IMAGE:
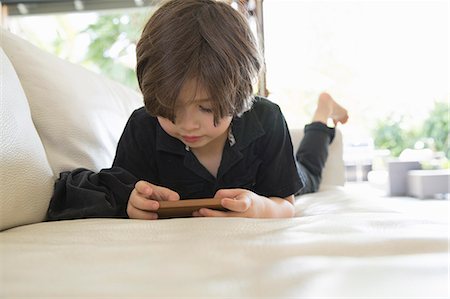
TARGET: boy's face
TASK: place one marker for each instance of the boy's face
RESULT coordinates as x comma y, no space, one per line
194,119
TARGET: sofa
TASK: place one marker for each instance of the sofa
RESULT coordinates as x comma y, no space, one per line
56,116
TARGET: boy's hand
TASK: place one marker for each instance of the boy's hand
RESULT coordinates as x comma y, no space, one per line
144,200
241,203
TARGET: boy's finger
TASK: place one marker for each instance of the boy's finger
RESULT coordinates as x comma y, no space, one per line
144,188
162,193
196,214
239,204
145,204
213,213
140,202
228,193
139,214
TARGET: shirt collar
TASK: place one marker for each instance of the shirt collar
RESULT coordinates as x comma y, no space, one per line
165,142
245,129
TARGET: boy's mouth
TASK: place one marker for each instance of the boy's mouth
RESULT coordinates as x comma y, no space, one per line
191,139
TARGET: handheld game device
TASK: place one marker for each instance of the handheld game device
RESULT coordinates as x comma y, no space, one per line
185,207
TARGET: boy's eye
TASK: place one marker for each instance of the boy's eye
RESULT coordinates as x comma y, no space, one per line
205,109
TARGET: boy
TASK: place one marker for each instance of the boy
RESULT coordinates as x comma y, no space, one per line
202,133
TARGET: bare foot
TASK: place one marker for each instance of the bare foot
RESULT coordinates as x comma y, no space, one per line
327,107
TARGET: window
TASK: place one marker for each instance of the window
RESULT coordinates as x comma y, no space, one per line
379,58
386,61
103,40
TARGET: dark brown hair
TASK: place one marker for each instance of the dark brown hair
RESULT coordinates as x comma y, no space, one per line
204,40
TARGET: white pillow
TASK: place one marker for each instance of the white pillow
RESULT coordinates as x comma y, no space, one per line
26,180
78,114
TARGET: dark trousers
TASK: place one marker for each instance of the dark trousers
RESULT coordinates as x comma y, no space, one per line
312,155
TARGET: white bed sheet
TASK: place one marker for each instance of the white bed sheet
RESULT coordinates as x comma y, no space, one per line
340,246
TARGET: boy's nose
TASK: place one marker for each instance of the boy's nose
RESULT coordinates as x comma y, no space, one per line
187,122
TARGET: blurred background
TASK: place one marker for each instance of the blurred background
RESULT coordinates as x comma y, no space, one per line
387,62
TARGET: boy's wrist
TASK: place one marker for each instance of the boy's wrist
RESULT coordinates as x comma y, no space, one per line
277,207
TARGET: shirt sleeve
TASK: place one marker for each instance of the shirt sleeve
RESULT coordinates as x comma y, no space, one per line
82,193
135,150
278,175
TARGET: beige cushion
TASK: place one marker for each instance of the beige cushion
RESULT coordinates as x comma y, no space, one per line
78,114
344,246
333,173
26,180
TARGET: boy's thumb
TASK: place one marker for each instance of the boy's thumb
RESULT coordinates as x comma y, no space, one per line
230,193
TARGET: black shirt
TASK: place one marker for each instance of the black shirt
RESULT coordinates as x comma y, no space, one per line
261,160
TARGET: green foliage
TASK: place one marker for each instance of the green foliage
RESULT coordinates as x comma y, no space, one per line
437,127
389,133
112,40
118,32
